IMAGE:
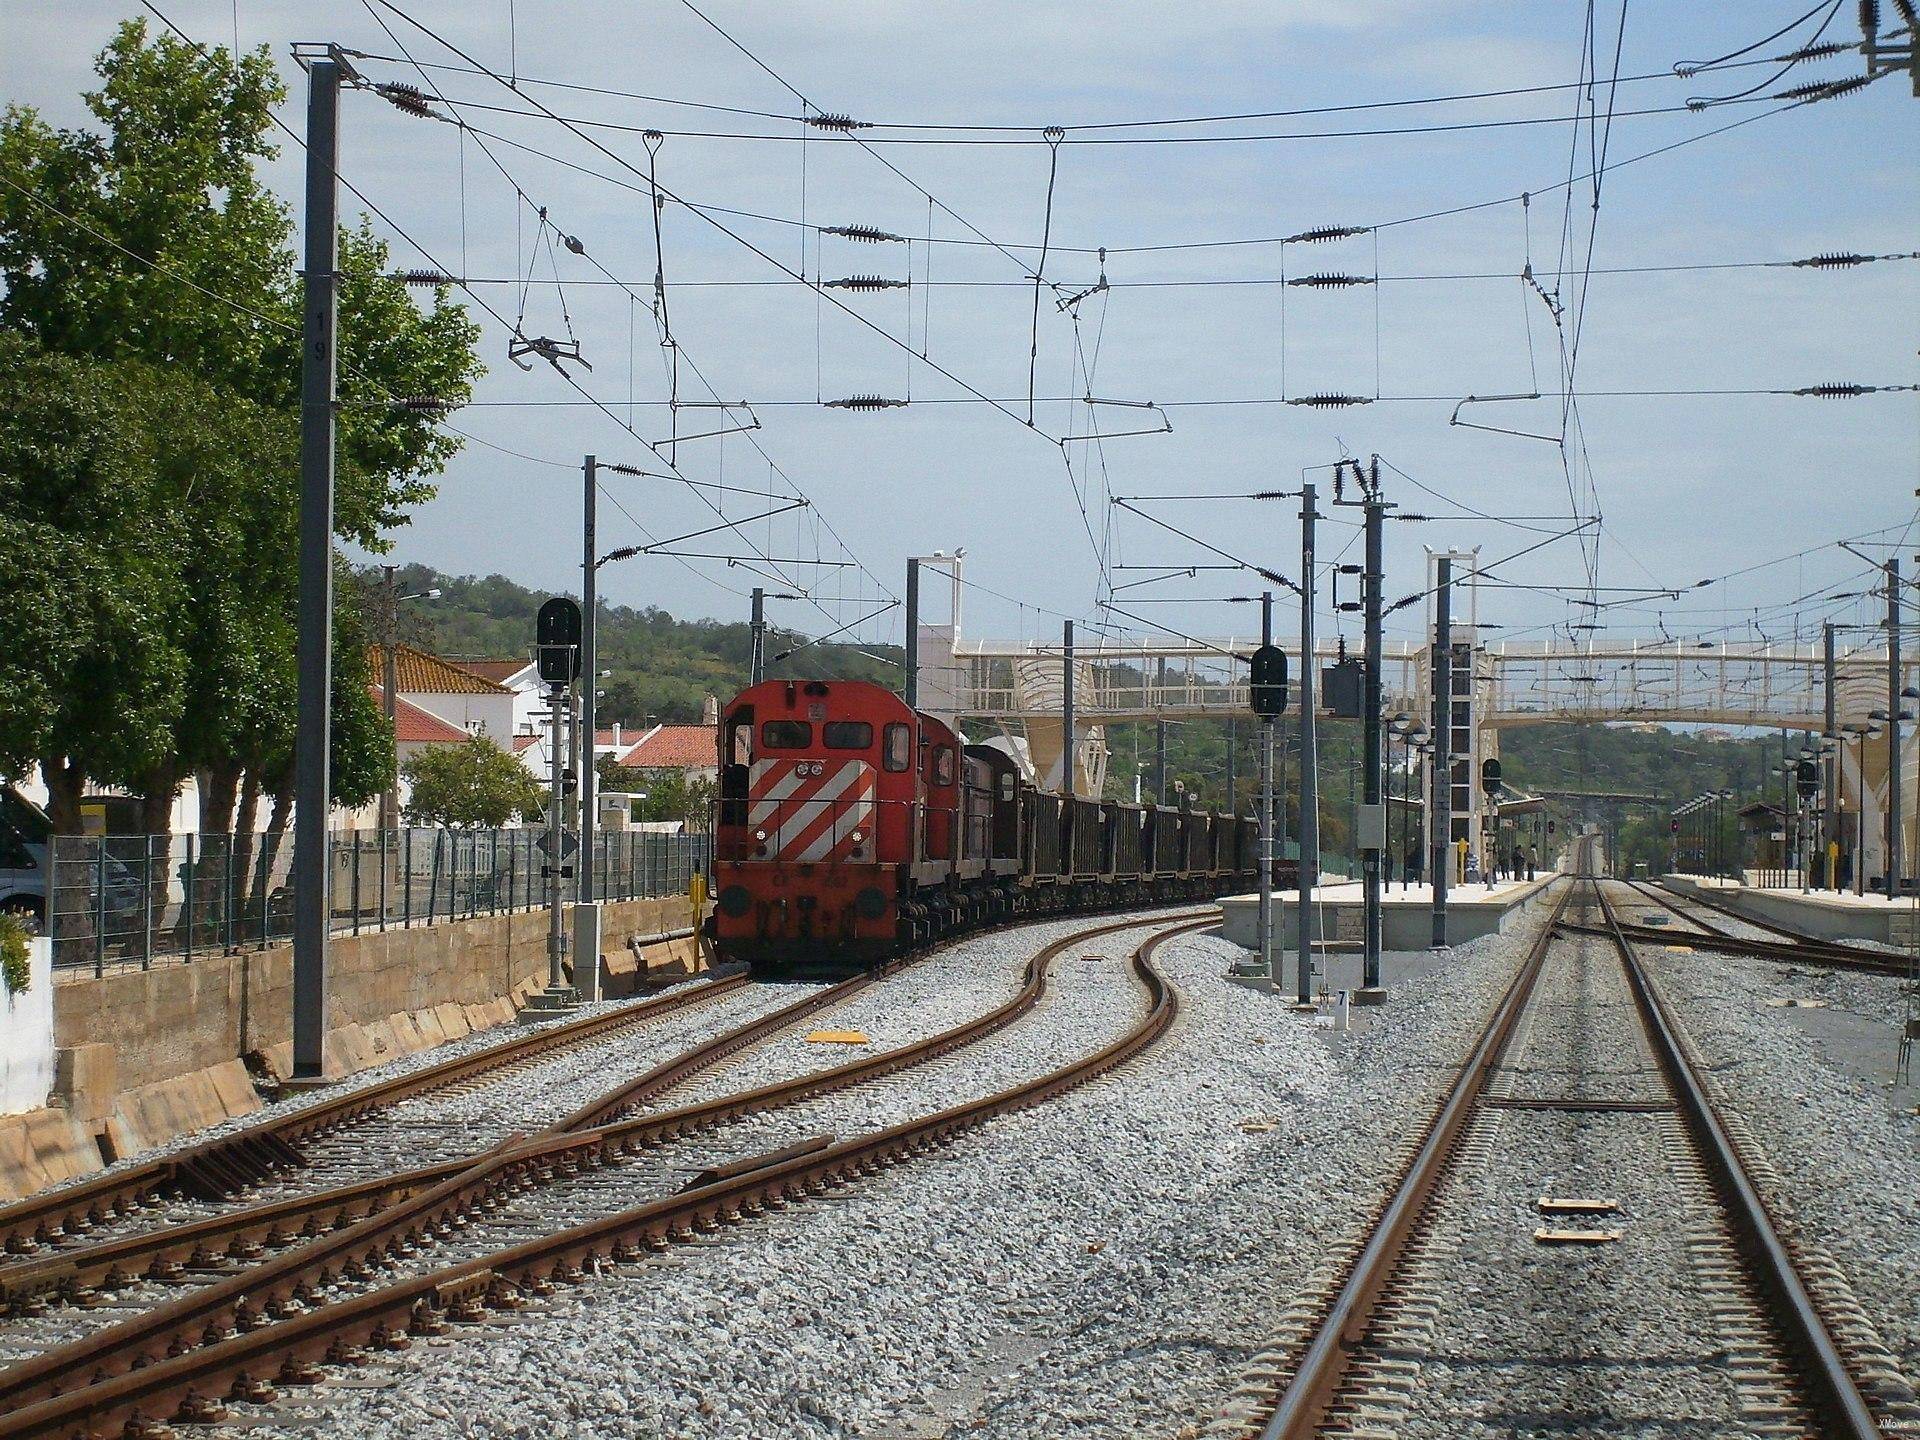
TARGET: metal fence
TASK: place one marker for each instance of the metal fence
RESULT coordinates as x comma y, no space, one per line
124,900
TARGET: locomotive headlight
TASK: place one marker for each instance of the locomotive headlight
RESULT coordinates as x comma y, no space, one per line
759,834
857,836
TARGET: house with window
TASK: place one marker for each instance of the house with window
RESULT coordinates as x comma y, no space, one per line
450,692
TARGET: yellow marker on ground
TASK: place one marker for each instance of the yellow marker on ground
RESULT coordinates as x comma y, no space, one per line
838,1037
1570,1205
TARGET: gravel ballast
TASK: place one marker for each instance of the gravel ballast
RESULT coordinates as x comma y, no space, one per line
1103,1264
1848,1162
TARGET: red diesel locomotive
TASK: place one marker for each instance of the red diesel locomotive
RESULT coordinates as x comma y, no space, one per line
851,828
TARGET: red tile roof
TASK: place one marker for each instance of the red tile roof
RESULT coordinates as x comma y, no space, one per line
412,725
418,673
673,747
498,671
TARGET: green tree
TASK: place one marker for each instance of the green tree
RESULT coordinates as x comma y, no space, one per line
91,676
156,242
672,795
463,786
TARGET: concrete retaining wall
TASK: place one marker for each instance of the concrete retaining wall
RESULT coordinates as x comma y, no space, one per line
1403,925
26,1035
179,1018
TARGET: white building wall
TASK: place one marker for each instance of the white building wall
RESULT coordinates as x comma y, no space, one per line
26,1035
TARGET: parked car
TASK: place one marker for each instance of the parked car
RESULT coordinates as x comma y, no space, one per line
26,836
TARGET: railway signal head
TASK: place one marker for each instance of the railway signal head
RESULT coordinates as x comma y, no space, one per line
1490,776
1269,687
556,633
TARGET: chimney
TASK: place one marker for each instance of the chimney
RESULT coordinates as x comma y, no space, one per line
616,737
710,711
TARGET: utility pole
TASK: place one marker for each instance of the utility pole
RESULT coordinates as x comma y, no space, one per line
913,634
1268,850
1067,745
1894,836
1233,788
1160,733
1440,805
1829,763
313,788
757,650
590,668
1373,829
1309,756
389,682
558,706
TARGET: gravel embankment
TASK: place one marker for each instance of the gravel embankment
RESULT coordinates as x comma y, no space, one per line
1102,1265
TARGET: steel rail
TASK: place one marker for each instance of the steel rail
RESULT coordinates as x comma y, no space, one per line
1823,1371
162,1252
1317,1377
246,1360
1822,1374
229,1164
1792,944
285,1283
247,1233
1724,944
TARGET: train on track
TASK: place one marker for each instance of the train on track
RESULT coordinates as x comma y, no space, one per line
852,828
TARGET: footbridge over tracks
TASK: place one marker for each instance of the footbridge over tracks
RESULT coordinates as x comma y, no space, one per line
1018,688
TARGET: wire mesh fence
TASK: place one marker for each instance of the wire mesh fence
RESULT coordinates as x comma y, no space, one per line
124,900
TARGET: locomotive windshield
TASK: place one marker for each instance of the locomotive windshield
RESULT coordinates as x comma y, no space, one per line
786,735
847,735
899,748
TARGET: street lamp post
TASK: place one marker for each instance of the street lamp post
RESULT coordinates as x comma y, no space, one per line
389,685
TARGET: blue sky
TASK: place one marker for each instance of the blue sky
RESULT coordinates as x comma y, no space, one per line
1688,487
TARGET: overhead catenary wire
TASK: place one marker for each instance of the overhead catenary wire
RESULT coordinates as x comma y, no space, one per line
672,352
1234,281
1124,141
480,300
722,228
1548,88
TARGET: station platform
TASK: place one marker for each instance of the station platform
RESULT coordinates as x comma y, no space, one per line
1406,920
1823,914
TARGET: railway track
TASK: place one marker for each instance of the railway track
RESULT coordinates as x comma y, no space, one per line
228,1165
1587,1075
136,1270
324,1300
1790,946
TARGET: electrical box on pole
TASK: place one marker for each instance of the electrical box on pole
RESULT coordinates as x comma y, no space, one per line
1343,689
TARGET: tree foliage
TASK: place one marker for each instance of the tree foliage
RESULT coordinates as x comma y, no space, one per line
150,307
91,667
470,785
663,667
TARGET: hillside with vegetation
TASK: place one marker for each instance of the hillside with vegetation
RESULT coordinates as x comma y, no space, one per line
663,667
